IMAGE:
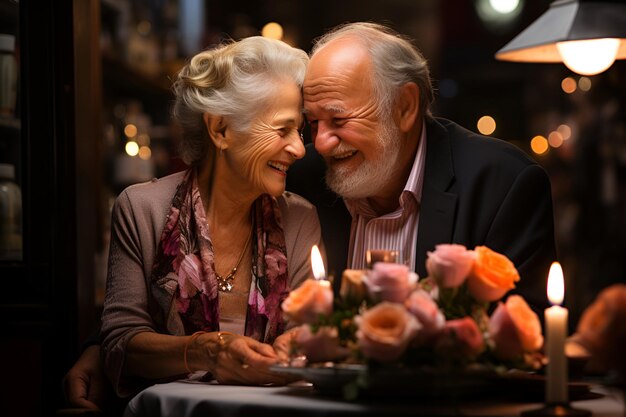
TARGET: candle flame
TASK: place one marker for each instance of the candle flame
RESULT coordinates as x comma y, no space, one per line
317,264
556,286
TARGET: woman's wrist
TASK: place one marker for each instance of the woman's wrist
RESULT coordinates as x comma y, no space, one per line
203,350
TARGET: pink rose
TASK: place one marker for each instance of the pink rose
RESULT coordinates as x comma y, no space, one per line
449,265
514,329
461,336
322,345
306,303
385,330
390,282
492,275
427,312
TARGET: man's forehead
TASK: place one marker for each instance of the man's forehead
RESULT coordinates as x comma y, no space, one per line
330,108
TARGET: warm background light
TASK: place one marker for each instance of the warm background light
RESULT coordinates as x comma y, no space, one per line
272,30
556,286
317,264
565,131
539,145
130,130
584,83
568,85
486,125
555,139
588,57
145,153
132,148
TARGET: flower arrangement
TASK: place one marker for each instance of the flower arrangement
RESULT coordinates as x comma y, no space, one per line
453,319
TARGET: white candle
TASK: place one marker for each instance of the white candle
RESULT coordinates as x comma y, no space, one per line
556,332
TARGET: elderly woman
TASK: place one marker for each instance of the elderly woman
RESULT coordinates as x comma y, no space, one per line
201,260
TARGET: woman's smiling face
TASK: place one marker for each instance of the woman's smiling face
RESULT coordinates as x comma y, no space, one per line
259,158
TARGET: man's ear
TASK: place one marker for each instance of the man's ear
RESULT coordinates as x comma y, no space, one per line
407,106
216,126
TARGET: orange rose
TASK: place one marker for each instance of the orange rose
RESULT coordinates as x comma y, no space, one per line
515,329
385,331
492,276
602,329
309,301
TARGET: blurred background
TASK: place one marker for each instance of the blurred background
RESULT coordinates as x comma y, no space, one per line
86,114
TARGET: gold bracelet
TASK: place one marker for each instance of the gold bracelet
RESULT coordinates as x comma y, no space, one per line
221,341
189,341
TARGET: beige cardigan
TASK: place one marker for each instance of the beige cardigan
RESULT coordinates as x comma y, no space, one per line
138,219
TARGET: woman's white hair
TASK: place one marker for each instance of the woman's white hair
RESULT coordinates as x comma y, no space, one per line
395,59
233,80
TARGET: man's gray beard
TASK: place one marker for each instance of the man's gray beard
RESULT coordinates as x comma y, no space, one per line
371,176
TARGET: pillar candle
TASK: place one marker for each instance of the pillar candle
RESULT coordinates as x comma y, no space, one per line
556,333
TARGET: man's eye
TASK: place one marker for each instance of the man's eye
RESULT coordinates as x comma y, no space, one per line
339,121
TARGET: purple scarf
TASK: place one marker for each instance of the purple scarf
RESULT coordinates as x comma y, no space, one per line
185,258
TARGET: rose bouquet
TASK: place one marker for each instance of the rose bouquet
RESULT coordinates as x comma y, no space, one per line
456,318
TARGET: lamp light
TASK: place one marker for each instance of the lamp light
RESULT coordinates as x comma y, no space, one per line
587,36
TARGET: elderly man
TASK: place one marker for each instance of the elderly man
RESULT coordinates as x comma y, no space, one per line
408,181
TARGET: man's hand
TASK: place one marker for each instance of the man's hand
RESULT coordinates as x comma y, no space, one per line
85,383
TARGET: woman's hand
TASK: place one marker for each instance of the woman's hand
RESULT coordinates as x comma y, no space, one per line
283,345
243,360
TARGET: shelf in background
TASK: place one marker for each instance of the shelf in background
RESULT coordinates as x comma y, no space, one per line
127,80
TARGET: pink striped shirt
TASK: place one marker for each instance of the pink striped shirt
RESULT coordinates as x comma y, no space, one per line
394,231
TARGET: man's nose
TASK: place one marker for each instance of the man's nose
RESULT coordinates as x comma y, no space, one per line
325,139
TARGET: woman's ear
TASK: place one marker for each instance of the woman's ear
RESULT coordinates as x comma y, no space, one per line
407,106
216,126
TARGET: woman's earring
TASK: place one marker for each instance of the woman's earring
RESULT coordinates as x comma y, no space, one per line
302,136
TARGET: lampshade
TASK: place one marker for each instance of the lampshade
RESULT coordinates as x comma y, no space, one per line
555,36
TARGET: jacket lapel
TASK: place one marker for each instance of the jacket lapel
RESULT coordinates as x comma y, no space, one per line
438,204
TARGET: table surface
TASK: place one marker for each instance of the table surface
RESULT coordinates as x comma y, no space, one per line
190,399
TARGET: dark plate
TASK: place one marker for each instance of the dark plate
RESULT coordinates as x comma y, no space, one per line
479,383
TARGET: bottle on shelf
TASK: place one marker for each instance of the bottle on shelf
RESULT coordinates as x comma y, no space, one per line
8,75
10,215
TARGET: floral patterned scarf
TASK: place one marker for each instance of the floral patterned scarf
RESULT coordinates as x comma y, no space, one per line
184,271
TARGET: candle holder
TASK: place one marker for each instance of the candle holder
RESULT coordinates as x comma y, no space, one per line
560,410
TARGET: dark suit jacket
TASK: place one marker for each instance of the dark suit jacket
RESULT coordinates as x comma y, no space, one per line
477,191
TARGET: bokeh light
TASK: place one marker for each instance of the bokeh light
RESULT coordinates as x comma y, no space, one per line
584,83
555,139
272,30
486,125
130,130
568,85
539,145
145,152
565,131
132,148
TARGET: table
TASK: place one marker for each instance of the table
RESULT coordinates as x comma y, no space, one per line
187,399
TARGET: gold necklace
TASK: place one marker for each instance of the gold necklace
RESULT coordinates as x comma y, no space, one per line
226,284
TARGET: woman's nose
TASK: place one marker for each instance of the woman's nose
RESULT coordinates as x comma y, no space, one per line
296,147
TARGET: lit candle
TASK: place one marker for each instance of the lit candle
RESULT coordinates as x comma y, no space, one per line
556,332
317,264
